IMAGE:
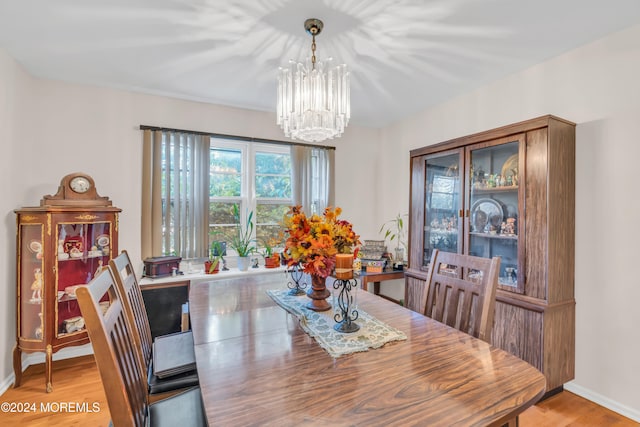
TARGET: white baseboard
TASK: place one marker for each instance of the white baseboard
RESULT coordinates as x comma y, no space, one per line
6,383
601,400
29,359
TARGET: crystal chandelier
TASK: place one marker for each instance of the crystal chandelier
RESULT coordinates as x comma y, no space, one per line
313,98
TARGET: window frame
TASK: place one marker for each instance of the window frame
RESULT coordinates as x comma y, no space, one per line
248,201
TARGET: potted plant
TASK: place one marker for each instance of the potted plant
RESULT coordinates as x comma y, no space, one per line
212,265
394,230
242,241
271,258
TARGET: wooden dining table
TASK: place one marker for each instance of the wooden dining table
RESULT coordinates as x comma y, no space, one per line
257,366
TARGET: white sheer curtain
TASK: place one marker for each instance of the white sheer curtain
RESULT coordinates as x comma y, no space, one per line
175,194
313,182
302,171
326,181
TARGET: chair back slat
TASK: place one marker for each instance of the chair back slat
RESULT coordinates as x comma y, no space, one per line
133,303
123,376
460,292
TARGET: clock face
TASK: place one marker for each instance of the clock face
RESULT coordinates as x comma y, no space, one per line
80,184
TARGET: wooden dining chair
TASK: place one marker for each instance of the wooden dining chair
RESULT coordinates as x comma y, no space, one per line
460,291
123,376
168,369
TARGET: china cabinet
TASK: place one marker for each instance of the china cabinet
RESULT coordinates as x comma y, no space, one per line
61,245
507,192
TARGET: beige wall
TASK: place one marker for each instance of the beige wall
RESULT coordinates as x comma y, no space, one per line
597,87
50,129
15,98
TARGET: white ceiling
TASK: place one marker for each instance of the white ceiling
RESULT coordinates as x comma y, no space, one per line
404,55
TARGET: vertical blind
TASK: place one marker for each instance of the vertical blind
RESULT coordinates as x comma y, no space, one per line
176,174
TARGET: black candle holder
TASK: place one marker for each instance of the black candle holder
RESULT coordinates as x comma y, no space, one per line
296,285
345,315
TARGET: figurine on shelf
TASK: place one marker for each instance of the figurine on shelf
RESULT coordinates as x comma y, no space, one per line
508,227
36,286
38,330
99,269
479,177
509,274
73,324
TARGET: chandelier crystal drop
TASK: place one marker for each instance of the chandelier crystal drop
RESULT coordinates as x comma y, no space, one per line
314,97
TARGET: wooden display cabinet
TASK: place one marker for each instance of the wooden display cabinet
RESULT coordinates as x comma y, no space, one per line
507,192
61,244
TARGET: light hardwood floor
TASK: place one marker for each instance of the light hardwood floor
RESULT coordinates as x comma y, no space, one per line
77,382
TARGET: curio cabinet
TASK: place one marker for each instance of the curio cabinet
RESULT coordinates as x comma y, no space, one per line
61,245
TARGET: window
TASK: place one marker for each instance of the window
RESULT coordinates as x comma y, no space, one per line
272,183
256,177
227,186
192,181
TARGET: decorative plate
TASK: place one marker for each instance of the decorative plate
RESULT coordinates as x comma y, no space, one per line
35,246
103,240
510,166
486,211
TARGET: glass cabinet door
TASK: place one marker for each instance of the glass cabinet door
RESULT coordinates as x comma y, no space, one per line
494,206
31,282
443,201
83,250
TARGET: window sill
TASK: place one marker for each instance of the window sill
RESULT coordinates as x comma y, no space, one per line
200,276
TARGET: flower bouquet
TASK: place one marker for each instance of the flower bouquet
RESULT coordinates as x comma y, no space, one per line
313,243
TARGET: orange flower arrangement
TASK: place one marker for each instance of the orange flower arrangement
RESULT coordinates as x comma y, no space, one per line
313,242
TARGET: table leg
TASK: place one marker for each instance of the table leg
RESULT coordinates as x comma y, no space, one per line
376,288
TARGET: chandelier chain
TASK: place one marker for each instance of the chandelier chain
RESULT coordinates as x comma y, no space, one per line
313,52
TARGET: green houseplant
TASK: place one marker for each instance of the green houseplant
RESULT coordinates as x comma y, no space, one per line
394,230
242,241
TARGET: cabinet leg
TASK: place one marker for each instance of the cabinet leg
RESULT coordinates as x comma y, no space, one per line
17,366
48,368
